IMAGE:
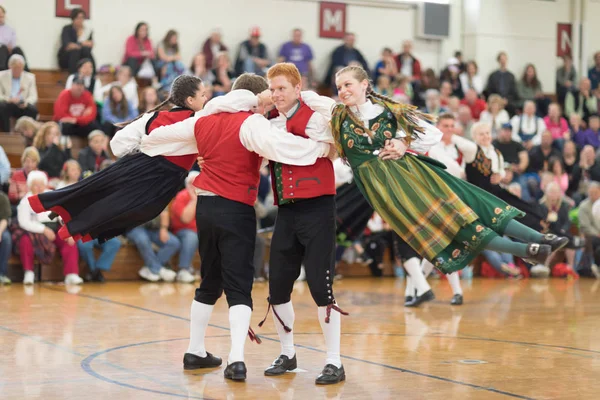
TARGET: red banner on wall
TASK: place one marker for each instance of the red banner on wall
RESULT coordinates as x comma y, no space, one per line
564,40
332,20
64,7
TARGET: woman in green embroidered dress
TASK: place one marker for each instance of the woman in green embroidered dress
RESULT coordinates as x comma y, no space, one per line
445,219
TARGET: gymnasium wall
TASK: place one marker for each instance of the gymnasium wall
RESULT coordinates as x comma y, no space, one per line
526,29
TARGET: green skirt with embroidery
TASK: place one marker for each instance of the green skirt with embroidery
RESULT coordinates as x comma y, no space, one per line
445,219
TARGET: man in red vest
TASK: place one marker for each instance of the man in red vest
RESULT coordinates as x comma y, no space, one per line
305,227
232,146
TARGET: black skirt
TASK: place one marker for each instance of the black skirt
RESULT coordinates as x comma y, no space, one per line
353,212
130,192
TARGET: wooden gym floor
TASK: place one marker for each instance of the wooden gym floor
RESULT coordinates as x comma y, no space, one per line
531,339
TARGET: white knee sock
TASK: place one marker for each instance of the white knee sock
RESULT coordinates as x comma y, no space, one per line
332,333
454,280
417,277
427,267
410,288
239,322
286,313
199,317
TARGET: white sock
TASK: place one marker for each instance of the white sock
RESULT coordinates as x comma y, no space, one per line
410,288
239,322
199,317
332,333
427,267
286,313
454,280
418,279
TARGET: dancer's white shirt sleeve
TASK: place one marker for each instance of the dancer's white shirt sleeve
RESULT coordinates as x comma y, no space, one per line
128,139
320,104
317,128
257,134
466,147
424,142
455,169
179,139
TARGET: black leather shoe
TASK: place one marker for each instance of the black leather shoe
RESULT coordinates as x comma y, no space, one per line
236,371
192,361
331,375
556,242
97,276
281,365
427,296
457,300
538,253
408,299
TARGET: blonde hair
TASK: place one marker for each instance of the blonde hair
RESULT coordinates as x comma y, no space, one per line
477,126
495,99
64,173
30,152
39,141
25,123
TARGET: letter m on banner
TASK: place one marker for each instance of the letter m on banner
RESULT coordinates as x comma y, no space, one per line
332,20
64,7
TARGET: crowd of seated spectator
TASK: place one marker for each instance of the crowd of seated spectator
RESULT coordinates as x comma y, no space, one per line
548,145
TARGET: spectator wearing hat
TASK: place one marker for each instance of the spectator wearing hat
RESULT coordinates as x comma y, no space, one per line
516,158
91,157
75,110
18,93
252,55
8,42
76,42
451,75
527,128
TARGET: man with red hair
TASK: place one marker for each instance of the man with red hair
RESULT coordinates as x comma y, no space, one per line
305,227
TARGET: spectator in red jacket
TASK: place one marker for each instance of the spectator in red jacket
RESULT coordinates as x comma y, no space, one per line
213,46
75,110
408,65
475,104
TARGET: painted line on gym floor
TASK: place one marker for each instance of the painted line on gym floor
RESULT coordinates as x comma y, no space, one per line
118,367
309,348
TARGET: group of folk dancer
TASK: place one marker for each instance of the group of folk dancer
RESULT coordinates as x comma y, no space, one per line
437,217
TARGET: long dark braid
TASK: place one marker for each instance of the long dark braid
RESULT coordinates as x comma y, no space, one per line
184,86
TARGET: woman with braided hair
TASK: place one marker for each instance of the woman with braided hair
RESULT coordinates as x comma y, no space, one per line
135,189
446,220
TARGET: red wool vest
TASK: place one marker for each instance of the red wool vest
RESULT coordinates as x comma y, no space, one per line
303,182
170,117
229,170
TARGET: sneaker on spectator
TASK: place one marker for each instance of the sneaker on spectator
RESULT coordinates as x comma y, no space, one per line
540,271
167,275
148,275
29,278
184,276
4,280
73,279
510,269
596,271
